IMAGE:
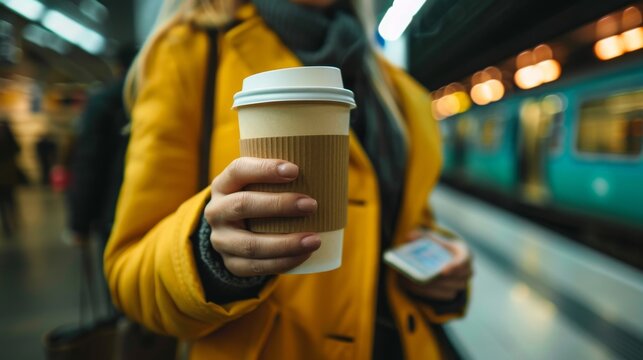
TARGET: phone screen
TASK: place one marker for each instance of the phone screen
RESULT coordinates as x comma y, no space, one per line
428,255
420,260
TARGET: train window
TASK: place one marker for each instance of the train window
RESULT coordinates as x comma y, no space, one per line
555,135
552,107
466,127
490,132
612,125
446,132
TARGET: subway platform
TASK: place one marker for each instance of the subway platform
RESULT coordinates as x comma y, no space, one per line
537,294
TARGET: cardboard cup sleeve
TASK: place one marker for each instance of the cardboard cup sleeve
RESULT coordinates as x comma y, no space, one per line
323,175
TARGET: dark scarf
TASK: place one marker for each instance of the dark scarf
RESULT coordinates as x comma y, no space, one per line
334,37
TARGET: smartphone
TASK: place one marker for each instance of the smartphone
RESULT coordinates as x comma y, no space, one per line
419,260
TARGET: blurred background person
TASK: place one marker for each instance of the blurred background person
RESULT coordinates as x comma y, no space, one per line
46,150
9,177
97,162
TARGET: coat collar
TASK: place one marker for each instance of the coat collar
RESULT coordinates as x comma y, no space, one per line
258,47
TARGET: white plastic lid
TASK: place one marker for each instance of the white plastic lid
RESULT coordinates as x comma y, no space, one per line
306,83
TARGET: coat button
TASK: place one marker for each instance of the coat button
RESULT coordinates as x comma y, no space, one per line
410,323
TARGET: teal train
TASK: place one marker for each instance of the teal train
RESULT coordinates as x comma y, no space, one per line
575,145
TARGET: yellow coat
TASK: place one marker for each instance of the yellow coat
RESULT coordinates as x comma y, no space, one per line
149,262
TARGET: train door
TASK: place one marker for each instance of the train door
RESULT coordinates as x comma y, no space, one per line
452,146
540,127
461,133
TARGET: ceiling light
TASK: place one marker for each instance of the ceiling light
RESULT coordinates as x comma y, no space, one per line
609,48
633,39
74,32
528,77
550,70
31,9
45,39
398,17
93,10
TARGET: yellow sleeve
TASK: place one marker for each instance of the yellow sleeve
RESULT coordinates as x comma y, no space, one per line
149,262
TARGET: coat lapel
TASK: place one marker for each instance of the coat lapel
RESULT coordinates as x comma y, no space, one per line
425,161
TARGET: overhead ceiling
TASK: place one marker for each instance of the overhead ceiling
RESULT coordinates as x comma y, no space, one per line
452,39
118,24
448,39
73,65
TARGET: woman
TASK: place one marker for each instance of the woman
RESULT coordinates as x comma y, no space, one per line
184,264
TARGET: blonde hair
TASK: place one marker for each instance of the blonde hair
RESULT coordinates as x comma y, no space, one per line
205,13
213,13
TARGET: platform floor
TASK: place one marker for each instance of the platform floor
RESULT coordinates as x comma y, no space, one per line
538,295
535,295
39,276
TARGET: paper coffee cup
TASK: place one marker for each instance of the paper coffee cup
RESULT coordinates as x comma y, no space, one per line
302,115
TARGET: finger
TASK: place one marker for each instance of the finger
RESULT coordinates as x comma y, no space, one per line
440,294
449,284
415,234
253,267
461,256
248,170
437,293
246,244
464,271
456,249
254,204
457,267
449,245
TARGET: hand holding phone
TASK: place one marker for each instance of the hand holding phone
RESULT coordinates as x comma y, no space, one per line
447,279
420,260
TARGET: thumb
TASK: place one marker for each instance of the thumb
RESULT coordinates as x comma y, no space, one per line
456,249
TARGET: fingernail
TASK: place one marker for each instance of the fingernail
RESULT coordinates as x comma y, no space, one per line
288,170
311,242
306,204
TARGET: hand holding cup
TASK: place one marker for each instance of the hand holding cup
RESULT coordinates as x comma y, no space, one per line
301,115
246,253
